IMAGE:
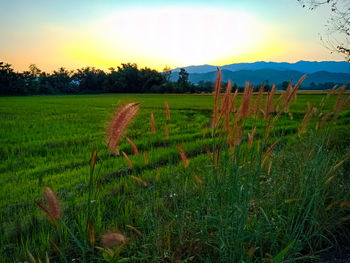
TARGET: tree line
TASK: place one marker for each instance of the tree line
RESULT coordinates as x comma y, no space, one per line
127,78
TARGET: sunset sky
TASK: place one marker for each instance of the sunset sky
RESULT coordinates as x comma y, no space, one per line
158,33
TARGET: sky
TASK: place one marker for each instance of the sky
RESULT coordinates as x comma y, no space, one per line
158,33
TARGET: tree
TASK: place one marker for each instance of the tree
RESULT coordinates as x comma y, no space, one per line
285,85
167,73
90,79
338,25
34,70
267,87
10,82
182,81
61,82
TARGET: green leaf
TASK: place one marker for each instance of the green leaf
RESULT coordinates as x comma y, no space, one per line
283,252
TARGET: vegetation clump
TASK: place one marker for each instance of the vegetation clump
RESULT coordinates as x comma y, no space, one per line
265,181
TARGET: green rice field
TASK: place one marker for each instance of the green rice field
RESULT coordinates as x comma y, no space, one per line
284,199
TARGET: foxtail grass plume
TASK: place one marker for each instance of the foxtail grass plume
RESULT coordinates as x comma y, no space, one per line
291,92
128,160
345,204
268,129
133,146
31,257
166,129
167,110
139,180
209,153
227,105
258,101
198,180
331,91
238,133
51,208
183,156
53,205
331,205
153,124
276,105
340,103
245,105
138,232
55,247
306,119
268,105
268,152
217,90
292,200
113,239
335,167
251,251
226,98
329,179
119,123
251,137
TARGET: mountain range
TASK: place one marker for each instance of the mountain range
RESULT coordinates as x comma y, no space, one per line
273,72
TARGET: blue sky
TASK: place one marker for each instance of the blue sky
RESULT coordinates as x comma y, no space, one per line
105,33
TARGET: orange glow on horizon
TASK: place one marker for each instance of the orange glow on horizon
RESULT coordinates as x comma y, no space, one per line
159,37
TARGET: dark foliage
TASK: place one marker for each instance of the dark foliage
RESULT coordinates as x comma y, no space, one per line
127,78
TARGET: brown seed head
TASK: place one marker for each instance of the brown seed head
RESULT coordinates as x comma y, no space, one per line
245,106
167,111
269,106
345,204
138,232
153,124
133,146
198,180
227,105
217,90
166,129
268,151
251,137
238,133
128,160
52,203
139,180
341,102
113,239
209,153
183,156
258,101
292,92
119,123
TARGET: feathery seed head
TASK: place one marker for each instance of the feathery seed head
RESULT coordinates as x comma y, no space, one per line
119,123
113,239
52,203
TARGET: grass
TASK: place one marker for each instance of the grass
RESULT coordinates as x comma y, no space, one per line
235,209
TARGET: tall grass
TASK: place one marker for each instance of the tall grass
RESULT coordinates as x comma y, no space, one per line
246,190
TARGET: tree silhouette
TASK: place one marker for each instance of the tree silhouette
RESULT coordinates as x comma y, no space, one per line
338,25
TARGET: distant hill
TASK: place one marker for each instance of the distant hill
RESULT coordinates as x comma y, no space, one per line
271,75
302,66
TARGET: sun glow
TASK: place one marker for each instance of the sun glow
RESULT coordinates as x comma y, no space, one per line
171,36
157,33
